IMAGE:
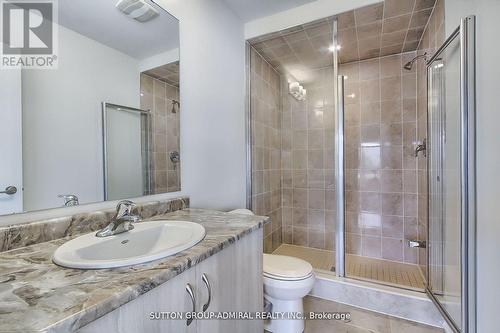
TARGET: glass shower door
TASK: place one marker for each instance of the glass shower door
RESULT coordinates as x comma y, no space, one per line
451,206
444,178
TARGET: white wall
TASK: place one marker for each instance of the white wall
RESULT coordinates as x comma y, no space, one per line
159,60
488,158
488,178
302,14
62,135
212,76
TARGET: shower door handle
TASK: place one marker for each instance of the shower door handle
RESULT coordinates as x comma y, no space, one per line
417,243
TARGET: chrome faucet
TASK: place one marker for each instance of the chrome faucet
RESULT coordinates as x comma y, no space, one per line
69,199
122,221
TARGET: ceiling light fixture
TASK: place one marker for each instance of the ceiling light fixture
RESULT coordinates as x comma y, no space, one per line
139,10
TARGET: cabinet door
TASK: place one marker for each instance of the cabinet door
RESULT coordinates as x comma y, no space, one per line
218,271
134,316
235,278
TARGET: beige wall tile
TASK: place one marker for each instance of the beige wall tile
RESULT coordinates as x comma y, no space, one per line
369,14
300,236
371,246
390,66
392,249
398,7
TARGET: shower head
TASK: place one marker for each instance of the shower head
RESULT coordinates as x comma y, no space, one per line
409,65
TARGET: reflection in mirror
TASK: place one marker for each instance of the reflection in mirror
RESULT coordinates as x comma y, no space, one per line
160,93
126,140
58,147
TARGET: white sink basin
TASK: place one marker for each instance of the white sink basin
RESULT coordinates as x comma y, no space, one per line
148,241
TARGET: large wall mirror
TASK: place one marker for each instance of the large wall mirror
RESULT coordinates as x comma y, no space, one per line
104,123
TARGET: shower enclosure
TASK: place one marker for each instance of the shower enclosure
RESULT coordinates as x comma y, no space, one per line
368,174
336,171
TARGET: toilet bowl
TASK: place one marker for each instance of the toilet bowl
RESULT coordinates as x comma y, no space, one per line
286,281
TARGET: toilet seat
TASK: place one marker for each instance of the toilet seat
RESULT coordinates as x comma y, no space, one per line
280,278
286,268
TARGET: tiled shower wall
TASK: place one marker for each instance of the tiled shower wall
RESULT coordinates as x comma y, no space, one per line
308,164
432,39
265,110
380,172
157,96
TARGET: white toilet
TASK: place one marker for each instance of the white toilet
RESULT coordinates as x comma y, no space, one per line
286,281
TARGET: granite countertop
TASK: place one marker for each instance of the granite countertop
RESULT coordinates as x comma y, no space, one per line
38,296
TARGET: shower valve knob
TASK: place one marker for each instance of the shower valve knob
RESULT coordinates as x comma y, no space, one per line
175,157
421,148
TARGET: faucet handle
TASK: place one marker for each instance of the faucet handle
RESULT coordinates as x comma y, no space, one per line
69,199
124,207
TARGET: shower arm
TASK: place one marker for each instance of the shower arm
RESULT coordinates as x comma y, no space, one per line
410,63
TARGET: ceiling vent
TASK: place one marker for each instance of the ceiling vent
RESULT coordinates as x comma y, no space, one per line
137,9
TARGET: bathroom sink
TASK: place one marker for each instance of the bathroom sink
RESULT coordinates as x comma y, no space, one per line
148,241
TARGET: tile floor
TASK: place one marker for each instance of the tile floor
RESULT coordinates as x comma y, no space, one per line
361,321
378,270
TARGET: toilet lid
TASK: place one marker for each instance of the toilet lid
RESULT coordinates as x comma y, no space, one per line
286,267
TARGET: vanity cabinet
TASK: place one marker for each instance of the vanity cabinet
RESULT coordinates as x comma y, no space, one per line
234,278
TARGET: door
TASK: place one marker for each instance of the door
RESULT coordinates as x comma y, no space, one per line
444,179
215,286
11,163
451,172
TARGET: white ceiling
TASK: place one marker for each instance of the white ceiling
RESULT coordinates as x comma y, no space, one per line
101,21
249,10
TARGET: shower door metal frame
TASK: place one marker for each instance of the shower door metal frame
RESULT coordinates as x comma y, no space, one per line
340,180
339,159
466,33
248,127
